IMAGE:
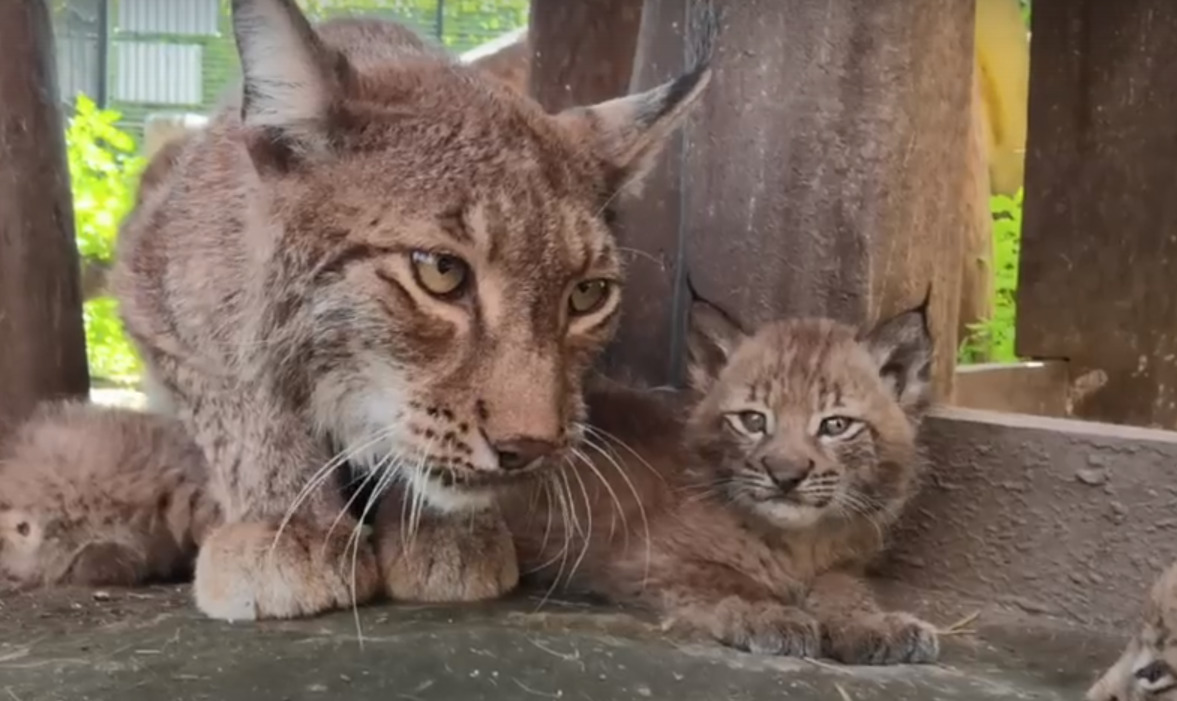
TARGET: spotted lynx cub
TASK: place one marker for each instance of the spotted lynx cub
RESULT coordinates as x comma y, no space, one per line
93,495
382,254
751,519
1147,669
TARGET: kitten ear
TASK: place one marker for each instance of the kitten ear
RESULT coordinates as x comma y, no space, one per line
712,336
291,79
902,349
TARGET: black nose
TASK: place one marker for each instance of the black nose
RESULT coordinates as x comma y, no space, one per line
518,453
786,474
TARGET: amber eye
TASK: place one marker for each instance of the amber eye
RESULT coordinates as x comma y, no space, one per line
588,296
834,426
753,421
441,274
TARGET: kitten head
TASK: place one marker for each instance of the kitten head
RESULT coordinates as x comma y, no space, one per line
1147,669
808,420
446,240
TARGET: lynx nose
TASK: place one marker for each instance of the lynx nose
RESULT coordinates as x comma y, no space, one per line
517,453
786,474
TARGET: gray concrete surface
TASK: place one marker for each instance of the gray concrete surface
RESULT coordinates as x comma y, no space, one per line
134,646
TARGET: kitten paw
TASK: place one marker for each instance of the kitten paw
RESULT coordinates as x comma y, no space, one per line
243,573
448,558
882,639
764,628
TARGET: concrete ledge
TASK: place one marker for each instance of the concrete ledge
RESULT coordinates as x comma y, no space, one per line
1030,387
1054,516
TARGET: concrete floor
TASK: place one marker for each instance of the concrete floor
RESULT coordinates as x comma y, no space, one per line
152,644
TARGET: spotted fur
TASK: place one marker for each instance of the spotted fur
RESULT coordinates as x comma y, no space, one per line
276,285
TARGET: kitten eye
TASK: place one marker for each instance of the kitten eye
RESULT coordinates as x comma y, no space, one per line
1152,672
22,528
588,296
441,274
753,421
834,426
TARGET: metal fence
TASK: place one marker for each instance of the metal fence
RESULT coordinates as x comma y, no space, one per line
144,56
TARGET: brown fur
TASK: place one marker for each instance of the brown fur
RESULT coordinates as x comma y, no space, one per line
100,496
1147,669
276,288
681,514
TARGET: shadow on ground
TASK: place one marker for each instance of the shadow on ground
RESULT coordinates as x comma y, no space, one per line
152,644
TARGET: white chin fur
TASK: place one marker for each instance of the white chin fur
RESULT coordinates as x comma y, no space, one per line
789,516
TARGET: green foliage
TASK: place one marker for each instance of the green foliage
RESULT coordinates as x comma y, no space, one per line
993,339
103,174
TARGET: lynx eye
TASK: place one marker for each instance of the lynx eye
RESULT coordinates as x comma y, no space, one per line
441,274
834,426
588,296
753,421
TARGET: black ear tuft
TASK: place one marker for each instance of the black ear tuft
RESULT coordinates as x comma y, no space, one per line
712,337
902,349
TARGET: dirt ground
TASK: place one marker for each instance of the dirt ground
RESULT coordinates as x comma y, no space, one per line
83,645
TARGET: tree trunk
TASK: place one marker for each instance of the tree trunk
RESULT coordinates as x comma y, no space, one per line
823,175
581,50
43,353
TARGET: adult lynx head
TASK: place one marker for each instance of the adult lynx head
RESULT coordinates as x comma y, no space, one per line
810,420
439,264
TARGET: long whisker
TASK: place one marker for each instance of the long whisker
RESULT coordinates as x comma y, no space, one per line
623,473
552,505
384,471
567,514
620,511
419,478
610,438
318,479
588,510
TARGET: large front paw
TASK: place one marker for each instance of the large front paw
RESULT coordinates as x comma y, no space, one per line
765,627
882,639
244,573
448,558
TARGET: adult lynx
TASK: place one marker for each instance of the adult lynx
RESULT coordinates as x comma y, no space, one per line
380,254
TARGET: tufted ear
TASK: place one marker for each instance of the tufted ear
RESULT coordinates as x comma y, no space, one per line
290,78
629,133
712,337
902,348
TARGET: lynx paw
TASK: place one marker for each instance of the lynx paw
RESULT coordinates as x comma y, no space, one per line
242,574
449,558
883,639
765,628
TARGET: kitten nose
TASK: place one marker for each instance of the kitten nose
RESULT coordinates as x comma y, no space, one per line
787,474
517,453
